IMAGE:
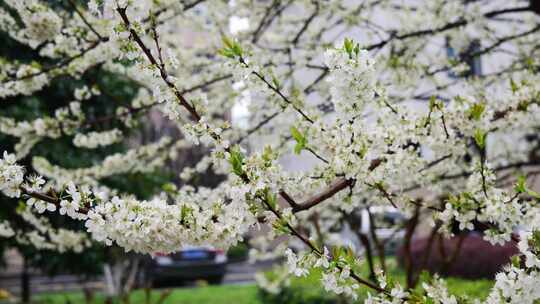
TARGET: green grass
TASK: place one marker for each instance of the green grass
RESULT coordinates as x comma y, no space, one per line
226,294
477,289
309,290
302,290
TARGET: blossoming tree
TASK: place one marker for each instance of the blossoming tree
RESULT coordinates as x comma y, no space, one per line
385,100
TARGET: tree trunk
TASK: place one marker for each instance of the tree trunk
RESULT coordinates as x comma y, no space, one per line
369,255
427,252
120,277
25,283
409,269
379,246
355,223
535,6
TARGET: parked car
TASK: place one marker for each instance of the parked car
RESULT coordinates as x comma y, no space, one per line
188,264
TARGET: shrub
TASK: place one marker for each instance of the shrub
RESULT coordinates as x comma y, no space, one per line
476,259
306,290
238,252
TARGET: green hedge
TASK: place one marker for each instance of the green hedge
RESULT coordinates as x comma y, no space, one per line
238,252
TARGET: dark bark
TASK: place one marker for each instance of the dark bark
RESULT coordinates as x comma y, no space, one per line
427,252
25,283
535,6
379,246
355,222
409,269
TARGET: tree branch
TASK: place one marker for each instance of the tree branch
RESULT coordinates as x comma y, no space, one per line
193,112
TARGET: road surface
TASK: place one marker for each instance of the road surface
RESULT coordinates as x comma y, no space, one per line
237,273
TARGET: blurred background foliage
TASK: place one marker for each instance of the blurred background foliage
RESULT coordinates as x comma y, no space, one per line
115,91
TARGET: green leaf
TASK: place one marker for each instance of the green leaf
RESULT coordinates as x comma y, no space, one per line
523,105
336,253
460,100
357,49
534,194
296,134
379,185
432,102
348,45
231,49
21,207
228,42
169,187
268,155
301,140
350,255
236,160
475,112
275,81
298,148
425,276
535,239
363,151
270,198
513,86
35,64
237,50
480,138
520,186
515,260
185,212
280,225
226,53
352,48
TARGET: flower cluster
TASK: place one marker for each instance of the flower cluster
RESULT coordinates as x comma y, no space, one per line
158,226
6,230
140,159
352,78
93,140
405,130
142,226
65,121
336,269
45,236
11,175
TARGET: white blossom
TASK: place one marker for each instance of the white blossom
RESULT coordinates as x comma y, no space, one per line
11,175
